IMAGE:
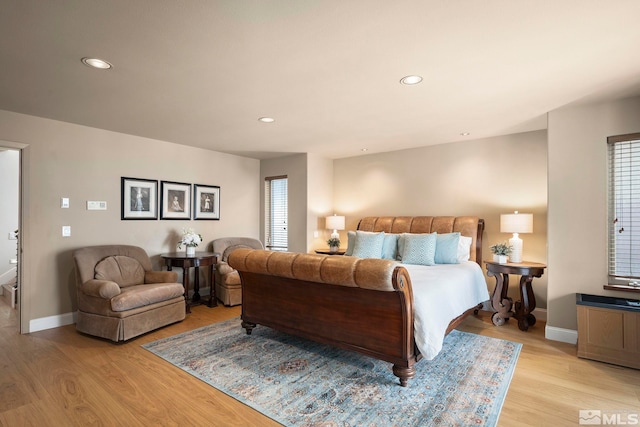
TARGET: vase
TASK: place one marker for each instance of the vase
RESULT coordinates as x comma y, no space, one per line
333,248
191,250
500,259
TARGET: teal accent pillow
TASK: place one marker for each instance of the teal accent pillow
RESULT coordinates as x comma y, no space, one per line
390,246
368,245
419,249
447,248
351,241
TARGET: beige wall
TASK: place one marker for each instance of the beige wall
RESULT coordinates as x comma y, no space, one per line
82,163
485,177
319,200
578,202
295,168
310,194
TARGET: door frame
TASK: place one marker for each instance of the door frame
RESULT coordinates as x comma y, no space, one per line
22,272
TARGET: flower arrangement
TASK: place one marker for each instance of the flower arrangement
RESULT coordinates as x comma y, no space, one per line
190,238
334,241
501,249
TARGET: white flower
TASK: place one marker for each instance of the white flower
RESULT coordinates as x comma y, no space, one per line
189,238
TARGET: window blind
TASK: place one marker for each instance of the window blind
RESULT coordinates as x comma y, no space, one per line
624,206
276,213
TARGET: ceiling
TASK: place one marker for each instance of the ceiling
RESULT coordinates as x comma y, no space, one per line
201,73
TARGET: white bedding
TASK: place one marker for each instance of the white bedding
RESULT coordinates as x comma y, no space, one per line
441,293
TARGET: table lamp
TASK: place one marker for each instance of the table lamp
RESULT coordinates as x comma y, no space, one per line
335,223
516,223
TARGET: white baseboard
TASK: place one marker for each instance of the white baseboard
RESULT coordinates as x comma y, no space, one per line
50,322
560,334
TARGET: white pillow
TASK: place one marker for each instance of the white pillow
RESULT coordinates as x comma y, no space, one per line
464,248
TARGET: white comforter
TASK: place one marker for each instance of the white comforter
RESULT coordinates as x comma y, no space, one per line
440,294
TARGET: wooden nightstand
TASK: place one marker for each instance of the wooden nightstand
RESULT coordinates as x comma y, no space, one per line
502,303
328,252
200,259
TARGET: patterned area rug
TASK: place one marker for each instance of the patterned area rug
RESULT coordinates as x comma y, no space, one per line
298,382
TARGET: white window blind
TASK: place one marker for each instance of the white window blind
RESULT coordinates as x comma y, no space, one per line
276,213
624,206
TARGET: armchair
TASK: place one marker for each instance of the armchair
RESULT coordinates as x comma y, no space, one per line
120,297
227,279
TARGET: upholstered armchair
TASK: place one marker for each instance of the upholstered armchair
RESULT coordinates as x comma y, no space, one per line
120,297
228,287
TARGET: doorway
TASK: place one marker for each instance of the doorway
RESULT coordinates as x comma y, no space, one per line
9,236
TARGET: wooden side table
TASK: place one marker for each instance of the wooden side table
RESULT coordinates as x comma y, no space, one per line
502,303
328,252
200,259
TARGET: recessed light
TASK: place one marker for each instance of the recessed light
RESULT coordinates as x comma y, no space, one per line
267,119
96,63
410,80
364,150
465,133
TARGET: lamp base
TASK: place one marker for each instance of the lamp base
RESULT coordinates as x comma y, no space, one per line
516,248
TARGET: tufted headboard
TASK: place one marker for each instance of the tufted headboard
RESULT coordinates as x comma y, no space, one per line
470,226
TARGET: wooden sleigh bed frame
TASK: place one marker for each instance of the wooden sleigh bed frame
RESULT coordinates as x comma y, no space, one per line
363,305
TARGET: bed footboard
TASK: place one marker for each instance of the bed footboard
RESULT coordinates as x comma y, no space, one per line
363,305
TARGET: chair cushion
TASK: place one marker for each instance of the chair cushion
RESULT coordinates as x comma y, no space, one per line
142,295
123,270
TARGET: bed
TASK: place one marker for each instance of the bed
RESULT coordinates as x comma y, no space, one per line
382,308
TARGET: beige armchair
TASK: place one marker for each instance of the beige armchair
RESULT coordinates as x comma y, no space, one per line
228,287
119,297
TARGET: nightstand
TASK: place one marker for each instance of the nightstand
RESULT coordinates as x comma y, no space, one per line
502,303
328,252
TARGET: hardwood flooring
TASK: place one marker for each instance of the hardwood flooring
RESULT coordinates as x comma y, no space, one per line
59,377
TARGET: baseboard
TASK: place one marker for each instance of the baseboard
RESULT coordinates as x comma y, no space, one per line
560,334
51,322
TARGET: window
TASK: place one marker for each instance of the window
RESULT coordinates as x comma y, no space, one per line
275,213
624,207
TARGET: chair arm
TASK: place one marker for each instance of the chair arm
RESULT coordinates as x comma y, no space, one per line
224,268
100,288
160,277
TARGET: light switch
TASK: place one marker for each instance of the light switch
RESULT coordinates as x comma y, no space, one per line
66,230
64,203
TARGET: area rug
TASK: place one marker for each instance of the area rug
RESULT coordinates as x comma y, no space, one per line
297,382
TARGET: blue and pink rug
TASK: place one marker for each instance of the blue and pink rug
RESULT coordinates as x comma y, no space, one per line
298,382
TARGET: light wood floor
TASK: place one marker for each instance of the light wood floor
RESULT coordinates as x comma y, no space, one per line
58,377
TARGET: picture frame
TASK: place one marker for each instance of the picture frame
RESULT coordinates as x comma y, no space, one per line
139,198
206,202
175,200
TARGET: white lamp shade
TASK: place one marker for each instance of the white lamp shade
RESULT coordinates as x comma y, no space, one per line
516,223
335,222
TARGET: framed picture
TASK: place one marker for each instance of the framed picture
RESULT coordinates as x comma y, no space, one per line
206,201
175,200
139,198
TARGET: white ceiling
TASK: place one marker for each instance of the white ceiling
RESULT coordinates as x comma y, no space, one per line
201,73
